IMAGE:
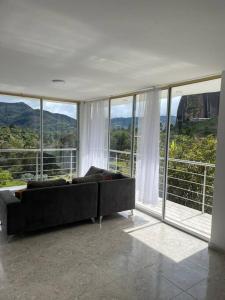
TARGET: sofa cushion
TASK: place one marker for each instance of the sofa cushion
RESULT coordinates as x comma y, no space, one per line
43,184
90,178
93,170
108,175
117,176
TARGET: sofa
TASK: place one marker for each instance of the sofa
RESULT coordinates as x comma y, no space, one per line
45,207
116,192
50,203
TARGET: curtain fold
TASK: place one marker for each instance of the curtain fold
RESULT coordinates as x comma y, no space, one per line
93,135
148,138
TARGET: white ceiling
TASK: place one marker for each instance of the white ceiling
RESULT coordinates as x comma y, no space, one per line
107,47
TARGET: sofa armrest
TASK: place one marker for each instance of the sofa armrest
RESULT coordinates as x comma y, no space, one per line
11,213
116,195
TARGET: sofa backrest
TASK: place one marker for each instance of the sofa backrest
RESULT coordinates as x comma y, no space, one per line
51,206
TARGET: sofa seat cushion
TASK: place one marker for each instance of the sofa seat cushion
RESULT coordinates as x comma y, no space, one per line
90,178
44,184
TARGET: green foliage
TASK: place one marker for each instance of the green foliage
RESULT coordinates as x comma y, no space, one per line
5,176
120,140
18,138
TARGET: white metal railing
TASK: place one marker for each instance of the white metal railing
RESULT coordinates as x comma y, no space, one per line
27,164
188,181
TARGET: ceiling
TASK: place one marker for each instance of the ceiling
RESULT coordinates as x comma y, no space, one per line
102,48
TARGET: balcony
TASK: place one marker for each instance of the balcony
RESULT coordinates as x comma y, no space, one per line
189,191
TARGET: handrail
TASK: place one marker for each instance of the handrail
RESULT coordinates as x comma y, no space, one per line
37,150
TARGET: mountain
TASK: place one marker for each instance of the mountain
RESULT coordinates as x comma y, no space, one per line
22,115
125,123
121,123
197,108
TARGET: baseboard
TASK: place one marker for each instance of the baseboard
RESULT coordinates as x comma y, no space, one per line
216,248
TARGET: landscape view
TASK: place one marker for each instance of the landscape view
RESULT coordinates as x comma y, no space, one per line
20,143
192,139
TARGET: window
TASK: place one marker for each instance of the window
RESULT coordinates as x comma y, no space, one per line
60,139
192,155
121,135
19,140
23,155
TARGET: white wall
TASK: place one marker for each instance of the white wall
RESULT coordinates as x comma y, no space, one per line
218,216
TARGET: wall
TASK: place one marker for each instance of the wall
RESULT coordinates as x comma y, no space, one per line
218,216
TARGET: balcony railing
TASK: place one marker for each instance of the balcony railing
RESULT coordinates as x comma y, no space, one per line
17,166
190,183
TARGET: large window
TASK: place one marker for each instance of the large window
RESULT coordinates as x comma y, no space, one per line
31,150
187,151
19,140
60,139
121,135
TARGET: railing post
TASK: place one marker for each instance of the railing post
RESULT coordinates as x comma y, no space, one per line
116,162
36,175
71,164
204,188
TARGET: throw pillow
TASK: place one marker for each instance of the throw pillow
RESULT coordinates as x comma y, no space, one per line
93,170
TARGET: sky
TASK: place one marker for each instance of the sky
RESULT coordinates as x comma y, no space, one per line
124,110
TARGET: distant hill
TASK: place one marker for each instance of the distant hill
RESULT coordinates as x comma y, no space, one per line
23,116
124,123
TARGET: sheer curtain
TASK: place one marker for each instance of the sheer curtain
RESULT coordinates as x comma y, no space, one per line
148,135
93,135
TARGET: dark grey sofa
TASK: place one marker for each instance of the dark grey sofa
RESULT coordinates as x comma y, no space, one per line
115,196
116,192
46,207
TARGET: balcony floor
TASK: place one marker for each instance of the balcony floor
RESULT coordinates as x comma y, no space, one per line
187,217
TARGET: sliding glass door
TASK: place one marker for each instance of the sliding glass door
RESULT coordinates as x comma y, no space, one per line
191,155
187,123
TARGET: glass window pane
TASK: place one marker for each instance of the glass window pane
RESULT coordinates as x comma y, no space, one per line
121,135
60,139
19,140
192,155
157,206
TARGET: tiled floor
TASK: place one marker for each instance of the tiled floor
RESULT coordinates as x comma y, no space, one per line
187,217
127,258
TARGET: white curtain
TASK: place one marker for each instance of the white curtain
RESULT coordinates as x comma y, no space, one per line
93,135
147,166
